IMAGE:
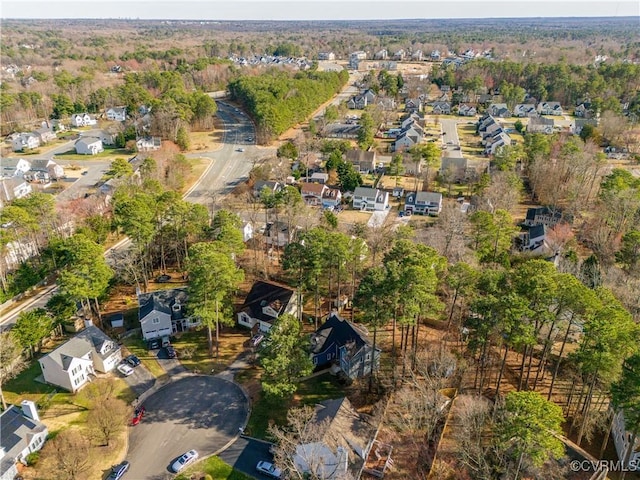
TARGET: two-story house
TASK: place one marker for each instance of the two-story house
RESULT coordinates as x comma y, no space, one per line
425,203
550,108
622,438
14,167
45,135
25,141
312,193
71,365
466,110
545,216
162,313
265,303
117,114
88,146
441,108
340,342
271,185
82,120
540,125
370,199
21,433
499,110
364,161
331,198
523,110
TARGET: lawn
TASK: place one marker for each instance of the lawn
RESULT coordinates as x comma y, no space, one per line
265,411
193,349
108,153
137,346
215,467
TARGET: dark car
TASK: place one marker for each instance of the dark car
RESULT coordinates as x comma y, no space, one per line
138,413
163,279
118,471
171,352
132,360
154,344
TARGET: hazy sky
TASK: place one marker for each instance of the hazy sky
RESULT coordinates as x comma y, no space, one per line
313,9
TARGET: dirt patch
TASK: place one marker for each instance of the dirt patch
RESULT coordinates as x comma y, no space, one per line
206,141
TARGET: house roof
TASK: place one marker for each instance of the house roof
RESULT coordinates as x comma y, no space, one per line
88,340
423,197
86,141
42,165
260,184
366,192
331,193
310,188
357,155
537,231
453,162
15,434
161,301
267,293
339,331
541,121
119,110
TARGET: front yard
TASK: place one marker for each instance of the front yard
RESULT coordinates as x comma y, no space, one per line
213,466
193,349
107,154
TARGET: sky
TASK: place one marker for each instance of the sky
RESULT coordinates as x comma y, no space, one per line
314,10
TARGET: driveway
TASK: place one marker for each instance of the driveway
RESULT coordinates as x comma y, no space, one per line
450,138
244,455
195,412
170,365
140,380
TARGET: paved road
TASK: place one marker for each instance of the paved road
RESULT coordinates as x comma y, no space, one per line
450,138
244,455
140,380
200,412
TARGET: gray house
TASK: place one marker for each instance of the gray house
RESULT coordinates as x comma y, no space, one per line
21,433
162,313
265,303
425,203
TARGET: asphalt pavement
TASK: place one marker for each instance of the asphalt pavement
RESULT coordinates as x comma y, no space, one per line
245,453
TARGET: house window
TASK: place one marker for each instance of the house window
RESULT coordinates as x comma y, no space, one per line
155,320
368,357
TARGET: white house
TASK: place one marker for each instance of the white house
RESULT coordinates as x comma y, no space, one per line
265,303
117,114
71,365
88,146
45,134
370,199
25,141
11,167
162,313
12,188
312,193
21,433
148,144
49,167
82,120
622,439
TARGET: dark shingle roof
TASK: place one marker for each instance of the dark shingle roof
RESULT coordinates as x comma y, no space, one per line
15,433
339,331
267,293
161,301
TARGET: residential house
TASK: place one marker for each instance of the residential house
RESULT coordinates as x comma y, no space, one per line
441,108
498,140
397,192
579,124
88,146
12,188
117,114
342,450
499,110
425,203
490,131
148,144
412,120
341,130
106,137
359,102
399,55
540,125
163,313
435,56
413,105
545,216
534,238
319,177
270,185
312,193
73,363
45,135
454,169
523,110
331,198
364,161
355,58
14,167
309,162
266,302
370,199
381,54
622,439
412,166
466,110
326,56
82,120
550,108
405,140
416,55
584,110
25,141
328,342
21,433
49,167
279,234
486,98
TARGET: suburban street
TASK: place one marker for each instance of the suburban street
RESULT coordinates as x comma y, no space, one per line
245,453
450,138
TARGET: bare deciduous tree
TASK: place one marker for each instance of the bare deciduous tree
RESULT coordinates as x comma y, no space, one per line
11,361
67,456
106,419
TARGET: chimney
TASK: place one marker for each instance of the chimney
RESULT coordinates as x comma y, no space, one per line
29,410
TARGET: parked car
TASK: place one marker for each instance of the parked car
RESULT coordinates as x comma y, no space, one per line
171,352
184,460
268,469
118,471
240,150
132,360
154,344
163,279
125,369
138,413
257,339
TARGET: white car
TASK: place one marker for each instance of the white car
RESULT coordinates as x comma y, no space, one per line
124,369
268,469
184,460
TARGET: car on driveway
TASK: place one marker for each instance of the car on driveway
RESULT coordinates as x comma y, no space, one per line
184,460
118,471
154,344
171,352
124,369
132,360
268,469
138,413
257,339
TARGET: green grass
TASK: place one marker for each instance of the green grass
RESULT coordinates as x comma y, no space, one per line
193,349
137,346
265,411
215,467
25,387
107,153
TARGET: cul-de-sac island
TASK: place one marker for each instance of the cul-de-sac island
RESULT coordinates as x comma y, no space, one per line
324,250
